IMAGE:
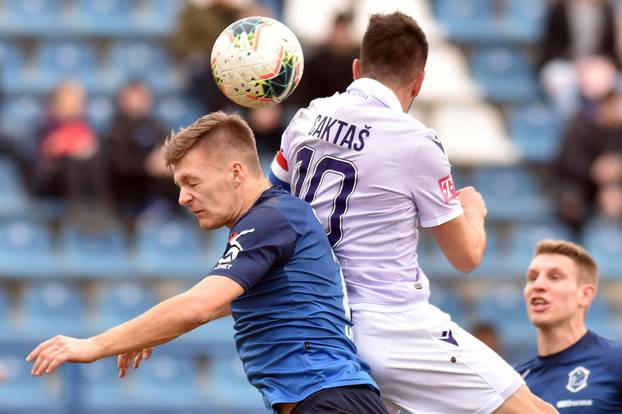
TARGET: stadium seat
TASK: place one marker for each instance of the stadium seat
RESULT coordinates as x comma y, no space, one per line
105,17
32,16
14,199
171,248
20,116
215,338
603,239
100,110
473,133
146,61
511,193
50,309
11,67
230,392
523,240
103,392
177,111
60,60
26,249
535,130
121,302
447,77
504,74
157,17
5,309
504,306
524,20
599,318
94,252
466,20
168,382
448,301
21,393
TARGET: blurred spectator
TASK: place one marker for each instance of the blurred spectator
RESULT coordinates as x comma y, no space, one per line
574,30
136,168
199,25
329,69
487,333
69,163
589,166
267,124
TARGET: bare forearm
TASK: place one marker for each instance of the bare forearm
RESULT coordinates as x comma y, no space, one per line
477,232
160,324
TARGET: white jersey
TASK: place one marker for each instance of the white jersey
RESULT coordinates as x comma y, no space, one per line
373,174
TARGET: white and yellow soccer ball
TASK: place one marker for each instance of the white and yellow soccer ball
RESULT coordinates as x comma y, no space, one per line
257,62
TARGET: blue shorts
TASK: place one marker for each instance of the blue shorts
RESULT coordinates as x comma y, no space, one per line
353,399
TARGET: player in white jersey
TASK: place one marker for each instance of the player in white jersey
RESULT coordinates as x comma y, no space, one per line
373,175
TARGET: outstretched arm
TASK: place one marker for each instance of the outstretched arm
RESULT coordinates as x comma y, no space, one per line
206,301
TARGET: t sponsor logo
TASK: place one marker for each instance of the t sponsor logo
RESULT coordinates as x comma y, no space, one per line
448,189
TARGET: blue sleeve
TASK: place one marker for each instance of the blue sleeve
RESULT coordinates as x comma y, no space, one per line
260,240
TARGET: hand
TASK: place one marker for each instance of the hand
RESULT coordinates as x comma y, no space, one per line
124,360
472,200
54,352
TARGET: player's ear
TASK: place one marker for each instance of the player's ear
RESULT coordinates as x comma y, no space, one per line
356,68
418,83
588,293
238,173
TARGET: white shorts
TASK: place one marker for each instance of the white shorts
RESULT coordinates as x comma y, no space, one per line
426,364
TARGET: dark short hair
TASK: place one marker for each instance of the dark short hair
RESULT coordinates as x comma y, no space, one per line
394,48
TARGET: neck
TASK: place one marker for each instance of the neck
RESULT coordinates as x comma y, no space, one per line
403,95
558,338
254,190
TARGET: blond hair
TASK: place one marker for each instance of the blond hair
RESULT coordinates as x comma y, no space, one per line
222,134
587,268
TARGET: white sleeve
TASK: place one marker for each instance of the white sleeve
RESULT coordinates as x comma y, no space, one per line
279,169
432,185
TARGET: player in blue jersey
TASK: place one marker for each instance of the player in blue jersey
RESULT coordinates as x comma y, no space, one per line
576,370
278,278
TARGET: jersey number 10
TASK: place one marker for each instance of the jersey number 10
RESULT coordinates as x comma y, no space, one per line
305,166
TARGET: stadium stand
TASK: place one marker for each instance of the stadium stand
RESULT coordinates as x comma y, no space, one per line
480,95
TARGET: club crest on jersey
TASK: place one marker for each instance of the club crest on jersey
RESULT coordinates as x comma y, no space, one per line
233,250
577,379
448,189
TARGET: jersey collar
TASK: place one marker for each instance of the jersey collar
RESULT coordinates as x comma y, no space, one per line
372,87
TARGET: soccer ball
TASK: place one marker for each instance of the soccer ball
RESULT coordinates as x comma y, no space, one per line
257,62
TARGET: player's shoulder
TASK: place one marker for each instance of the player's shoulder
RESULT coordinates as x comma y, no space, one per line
609,346
525,367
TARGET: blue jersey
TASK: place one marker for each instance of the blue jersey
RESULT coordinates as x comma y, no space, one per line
585,378
291,323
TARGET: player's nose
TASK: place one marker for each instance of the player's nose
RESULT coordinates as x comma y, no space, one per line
184,197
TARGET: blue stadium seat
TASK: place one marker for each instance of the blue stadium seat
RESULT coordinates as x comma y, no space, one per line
60,60
101,252
230,391
448,301
599,318
504,74
14,199
100,111
52,308
23,393
168,382
215,338
105,17
511,194
466,20
103,391
147,61
523,241
177,111
172,248
26,249
20,116
504,306
535,129
32,16
157,17
122,302
524,20
11,67
603,239
5,309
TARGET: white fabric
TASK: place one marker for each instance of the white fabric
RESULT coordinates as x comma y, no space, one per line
414,368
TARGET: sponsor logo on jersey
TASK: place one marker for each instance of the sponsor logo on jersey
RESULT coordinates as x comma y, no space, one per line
573,403
448,189
577,379
233,250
